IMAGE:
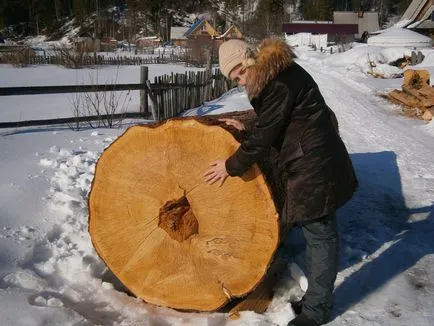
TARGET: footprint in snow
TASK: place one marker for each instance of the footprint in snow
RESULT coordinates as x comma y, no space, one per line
46,299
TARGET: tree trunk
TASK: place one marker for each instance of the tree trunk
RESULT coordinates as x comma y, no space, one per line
57,5
169,237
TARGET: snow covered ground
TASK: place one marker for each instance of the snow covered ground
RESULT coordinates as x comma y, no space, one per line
51,275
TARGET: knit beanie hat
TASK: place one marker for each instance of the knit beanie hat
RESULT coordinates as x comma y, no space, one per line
235,52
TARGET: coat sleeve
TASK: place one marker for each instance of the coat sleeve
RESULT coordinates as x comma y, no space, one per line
273,116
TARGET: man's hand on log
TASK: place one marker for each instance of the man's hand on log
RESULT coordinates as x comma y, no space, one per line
216,172
234,123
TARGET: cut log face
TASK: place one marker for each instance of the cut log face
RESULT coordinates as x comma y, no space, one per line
416,78
169,237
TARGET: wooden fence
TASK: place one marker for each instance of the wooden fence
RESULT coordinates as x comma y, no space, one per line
89,60
92,60
169,95
173,94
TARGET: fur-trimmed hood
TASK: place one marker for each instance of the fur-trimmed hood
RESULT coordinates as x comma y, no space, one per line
272,57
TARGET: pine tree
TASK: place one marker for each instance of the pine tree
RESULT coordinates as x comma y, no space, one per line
317,10
402,6
268,19
356,5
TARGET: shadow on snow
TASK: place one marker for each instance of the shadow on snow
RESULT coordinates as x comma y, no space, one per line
376,217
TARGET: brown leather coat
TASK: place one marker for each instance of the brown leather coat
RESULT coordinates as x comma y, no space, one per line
293,118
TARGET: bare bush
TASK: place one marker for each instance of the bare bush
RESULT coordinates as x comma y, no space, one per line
71,57
103,103
19,56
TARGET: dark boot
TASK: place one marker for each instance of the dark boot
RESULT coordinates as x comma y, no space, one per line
297,306
303,320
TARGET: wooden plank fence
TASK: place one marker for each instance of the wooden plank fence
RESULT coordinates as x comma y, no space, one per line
169,95
34,90
91,60
175,93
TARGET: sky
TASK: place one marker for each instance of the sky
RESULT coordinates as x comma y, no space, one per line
50,273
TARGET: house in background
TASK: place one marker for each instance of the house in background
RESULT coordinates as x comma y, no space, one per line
202,39
108,44
201,28
177,35
419,17
324,32
347,26
148,42
86,43
202,31
367,22
232,33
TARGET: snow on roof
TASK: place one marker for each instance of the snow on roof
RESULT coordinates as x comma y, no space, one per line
402,23
312,22
401,37
361,57
177,33
148,38
415,24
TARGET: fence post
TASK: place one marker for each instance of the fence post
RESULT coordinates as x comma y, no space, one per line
208,60
144,92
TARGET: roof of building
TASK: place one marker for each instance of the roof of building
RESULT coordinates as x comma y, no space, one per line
312,22
198,22
413,9
409,17
177,33
148,38
423,24
352,13
321,28
425,17
231,29
400,37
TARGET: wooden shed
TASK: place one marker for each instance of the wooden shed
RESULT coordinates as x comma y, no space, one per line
177,35
419,17
148,42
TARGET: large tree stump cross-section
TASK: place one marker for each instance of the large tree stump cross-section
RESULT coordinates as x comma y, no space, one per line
169,237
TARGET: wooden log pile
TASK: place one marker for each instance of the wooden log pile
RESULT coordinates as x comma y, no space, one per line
417,96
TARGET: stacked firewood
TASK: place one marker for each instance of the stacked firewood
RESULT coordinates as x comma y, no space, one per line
417,96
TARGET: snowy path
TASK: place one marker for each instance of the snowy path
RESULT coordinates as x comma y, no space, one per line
363,115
